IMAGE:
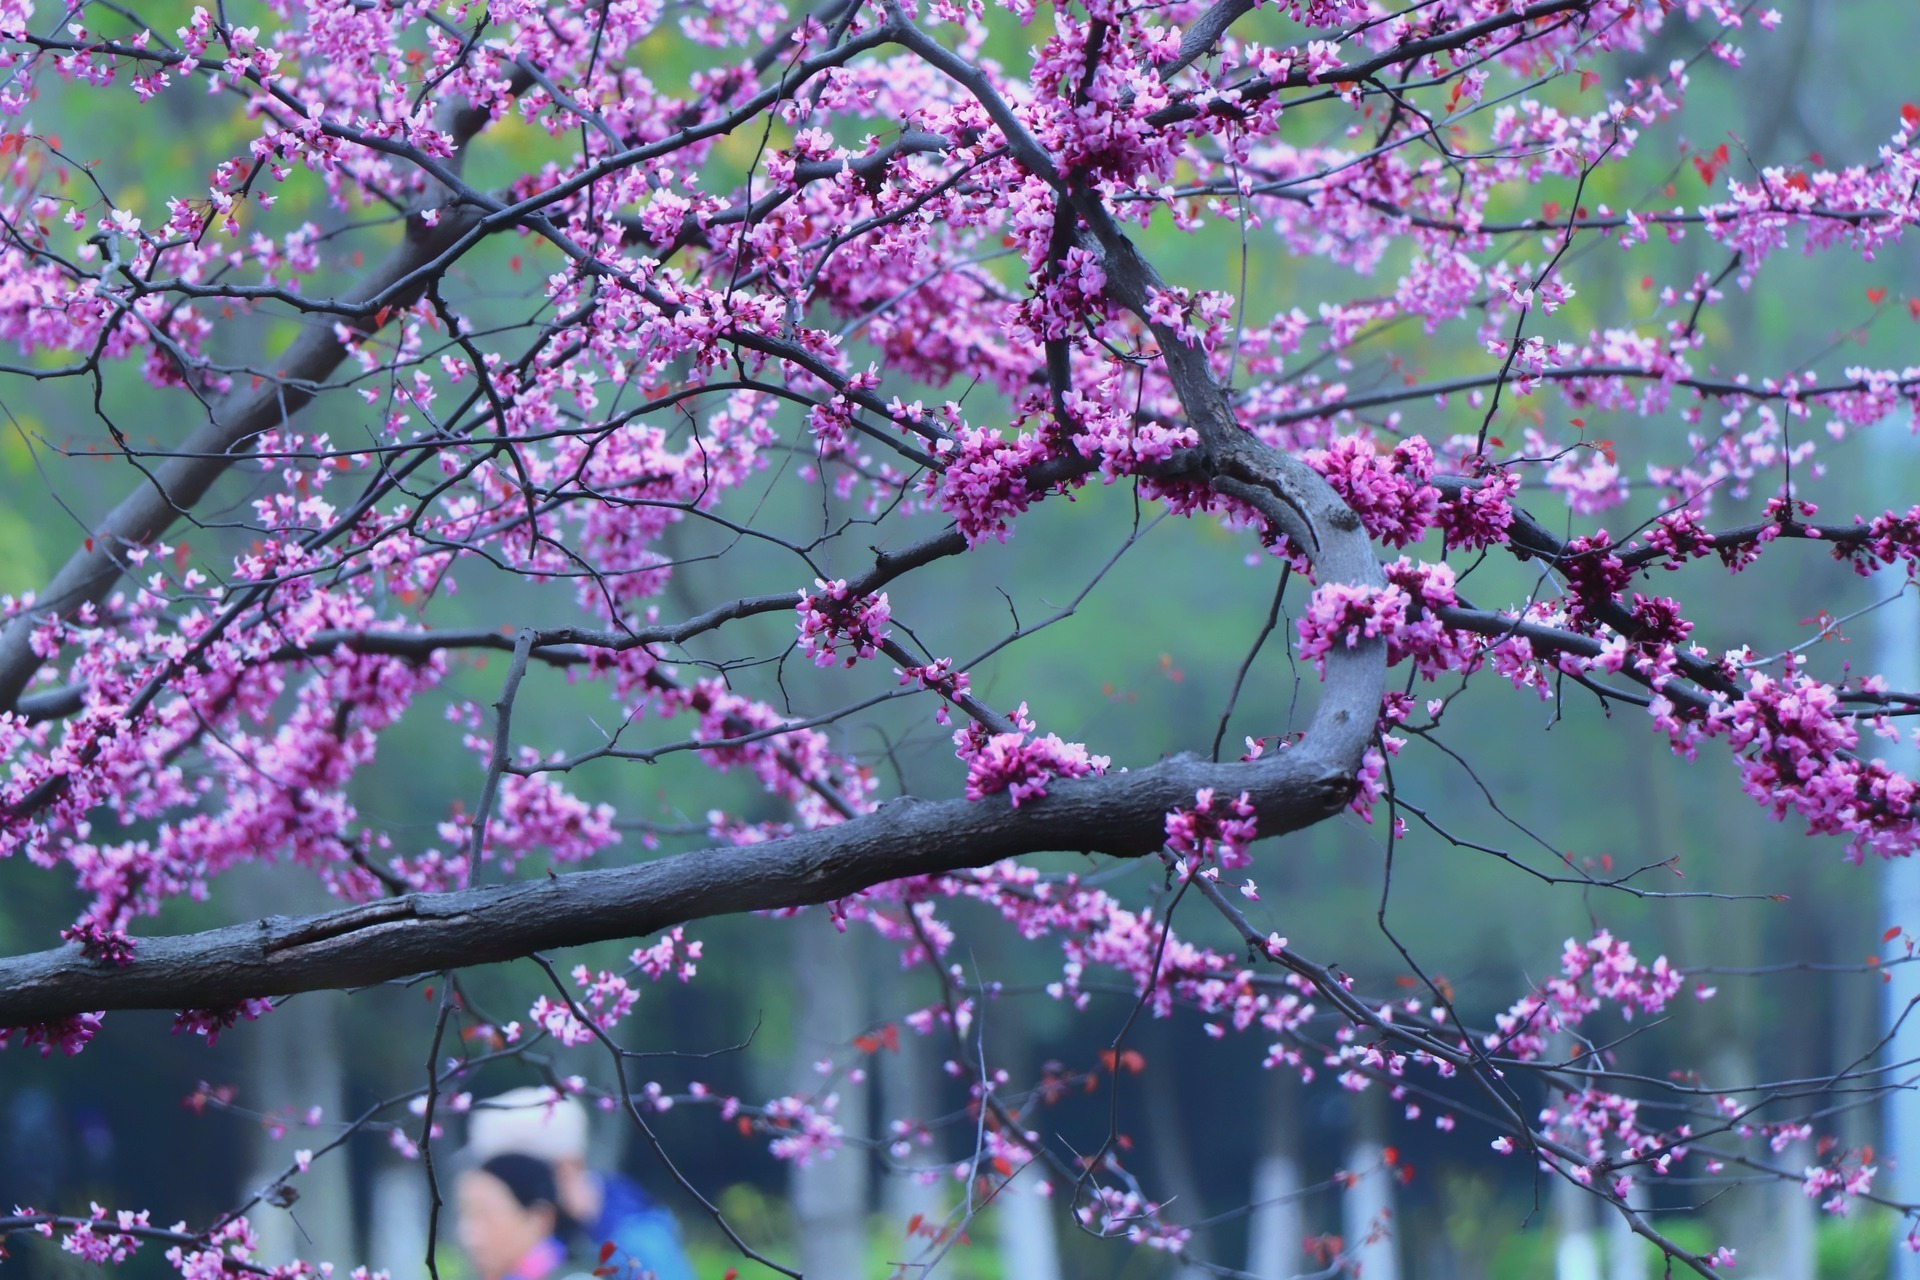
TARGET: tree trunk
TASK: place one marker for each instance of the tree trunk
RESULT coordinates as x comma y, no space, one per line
1771,1224
1029,1240
1627,1253
831,1196
909,1091
1576,1248
1366,1209
1276,1227
1897,624
1167,1130
294,1062
1025,1225
397,1219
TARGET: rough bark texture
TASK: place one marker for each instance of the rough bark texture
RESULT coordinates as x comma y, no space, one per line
1121,814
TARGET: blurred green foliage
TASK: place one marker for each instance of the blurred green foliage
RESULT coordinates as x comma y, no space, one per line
1145,662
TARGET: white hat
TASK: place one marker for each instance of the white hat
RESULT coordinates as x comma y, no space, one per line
534,1121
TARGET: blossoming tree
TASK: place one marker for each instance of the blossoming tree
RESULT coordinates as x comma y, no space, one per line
903,269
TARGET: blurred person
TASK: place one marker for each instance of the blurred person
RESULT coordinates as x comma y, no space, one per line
510,1221
601,1205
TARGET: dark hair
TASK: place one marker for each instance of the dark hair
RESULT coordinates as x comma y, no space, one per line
530,1180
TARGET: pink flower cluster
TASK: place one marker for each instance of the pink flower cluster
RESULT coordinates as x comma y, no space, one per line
1389,493
1600,971
804,1131
671,954
228,1247
1119,1211
211,1022
69,1035
982,482
1213,830
1838,1182
105,1246
1340,616
1020,764
833,620
1794,744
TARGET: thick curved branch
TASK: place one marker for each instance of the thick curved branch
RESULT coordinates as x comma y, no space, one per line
1121,814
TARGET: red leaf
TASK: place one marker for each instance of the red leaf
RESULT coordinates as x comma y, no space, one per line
606,1250
1876,296
1588,79
1890,934
1909,114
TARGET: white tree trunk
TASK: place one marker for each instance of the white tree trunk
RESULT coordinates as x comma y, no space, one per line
1576,1250
397,1219
907,1079
1029,1241
1784,1247
1897,625
1275,1233
1276,1228
831,1196
1367,1218
1627,1252
293,1062
1769,1224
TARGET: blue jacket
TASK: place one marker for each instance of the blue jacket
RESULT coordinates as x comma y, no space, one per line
646,1239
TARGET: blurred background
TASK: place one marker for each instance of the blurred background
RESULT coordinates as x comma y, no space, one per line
1141,666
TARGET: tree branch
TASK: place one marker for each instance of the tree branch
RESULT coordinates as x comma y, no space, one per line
1121,814
176,485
